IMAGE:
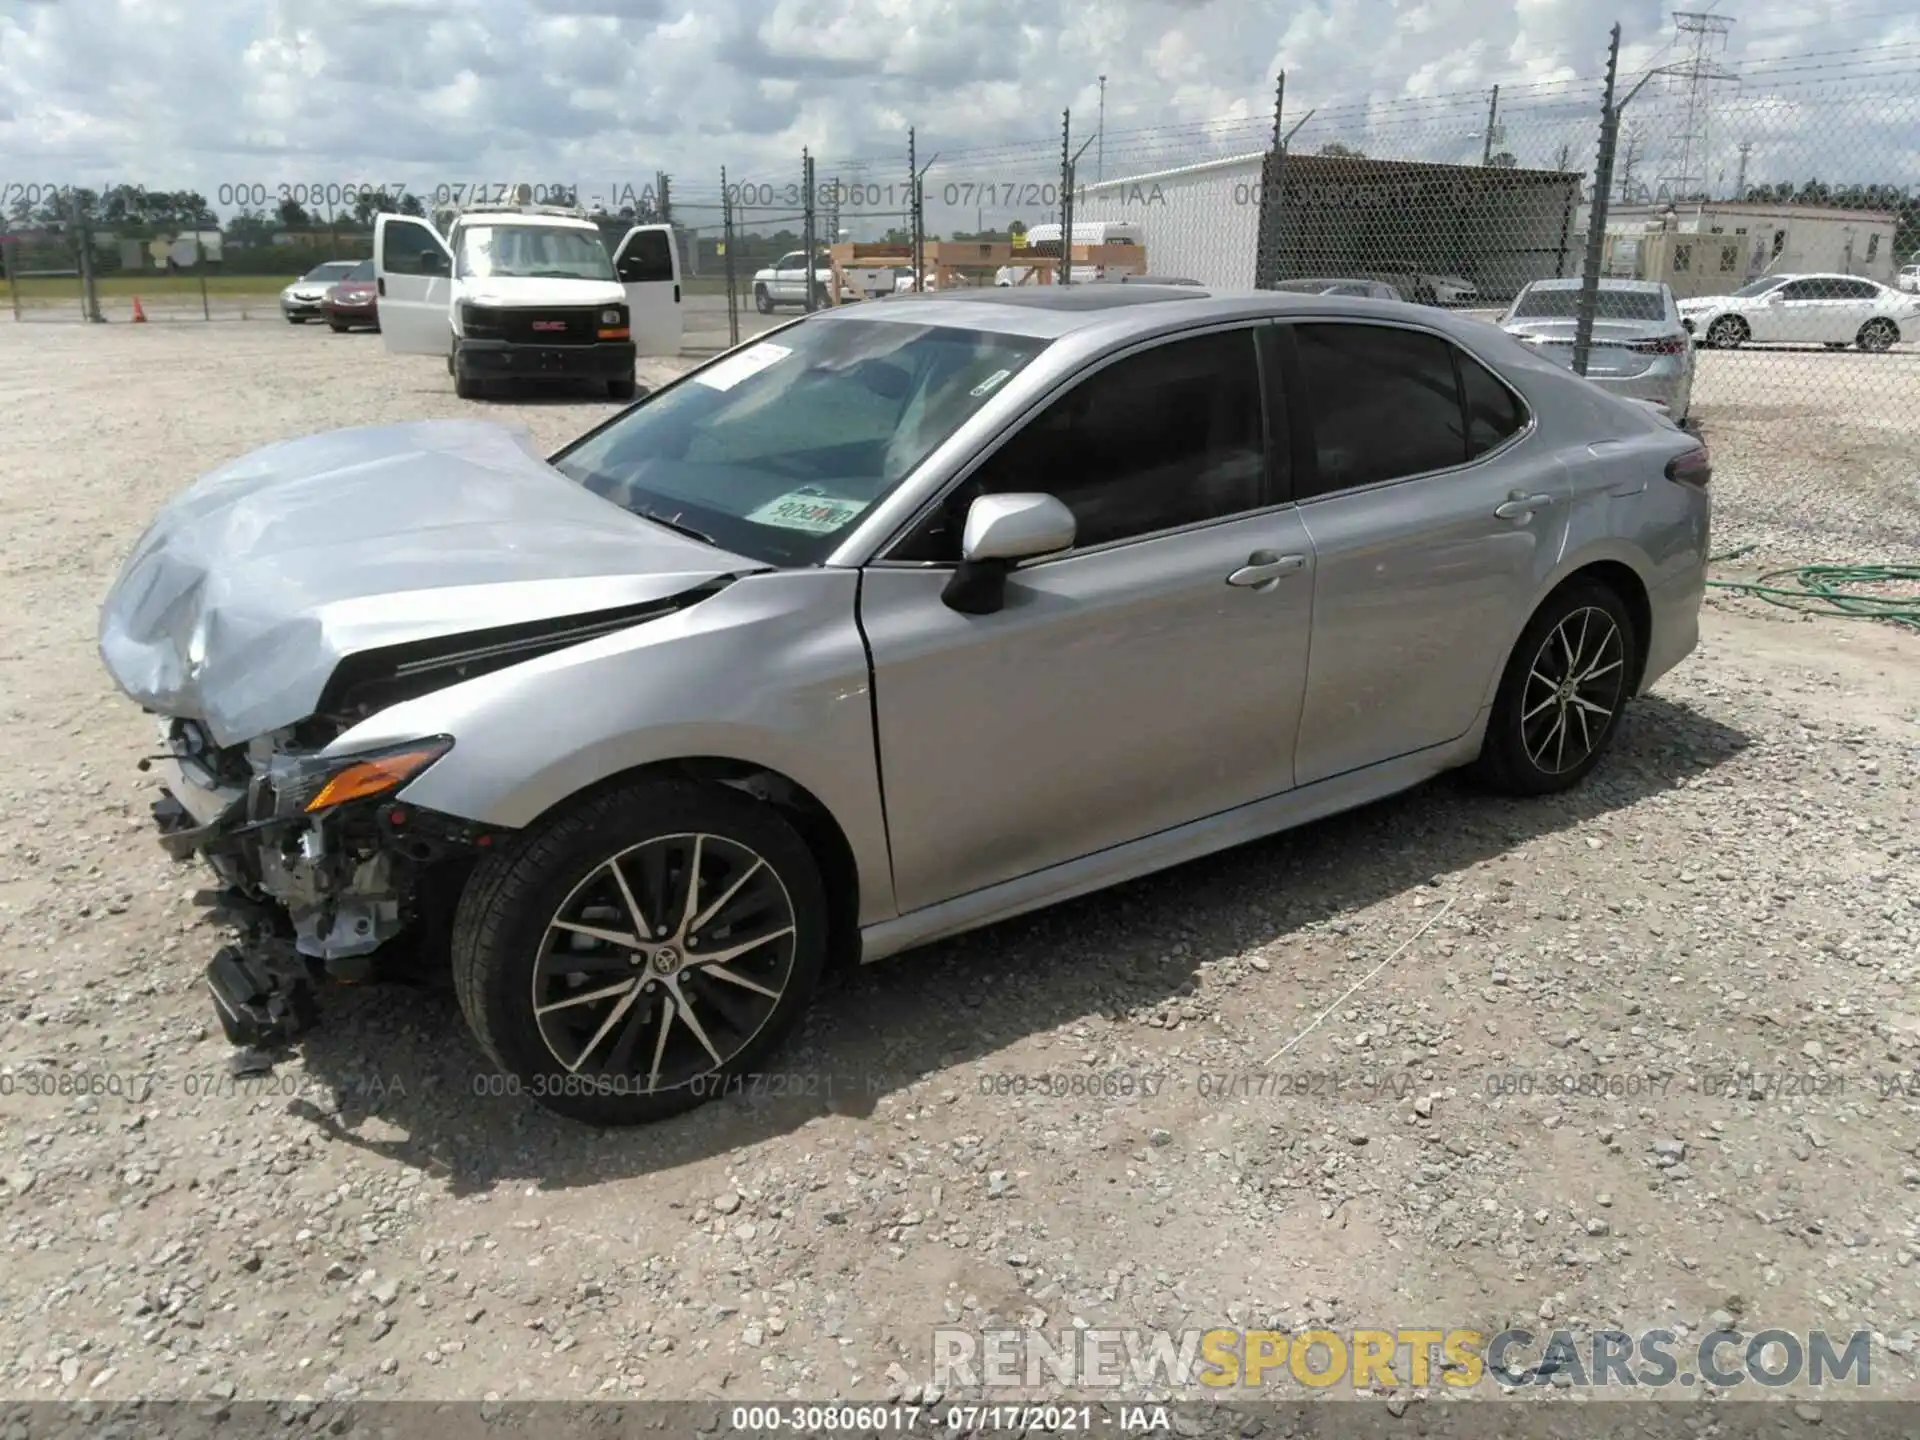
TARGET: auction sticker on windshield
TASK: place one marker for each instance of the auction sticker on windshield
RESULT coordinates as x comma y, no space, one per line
727,373
808,509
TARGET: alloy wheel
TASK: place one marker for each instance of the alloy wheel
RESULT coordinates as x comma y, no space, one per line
665,962
1573,690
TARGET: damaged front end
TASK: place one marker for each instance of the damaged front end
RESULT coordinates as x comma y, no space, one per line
320,869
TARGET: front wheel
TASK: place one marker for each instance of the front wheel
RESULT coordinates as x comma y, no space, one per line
623,960
337,326
466,387
762,301
621,390
1727,333
1560,698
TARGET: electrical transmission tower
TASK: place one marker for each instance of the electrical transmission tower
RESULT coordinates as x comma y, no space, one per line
1700,73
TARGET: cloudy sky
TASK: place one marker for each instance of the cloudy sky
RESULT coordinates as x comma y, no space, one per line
233,97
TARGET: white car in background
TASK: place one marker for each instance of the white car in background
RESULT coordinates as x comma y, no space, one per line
1431,287
1909,278
1831,310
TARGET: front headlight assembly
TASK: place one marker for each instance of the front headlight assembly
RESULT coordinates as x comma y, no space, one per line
314,785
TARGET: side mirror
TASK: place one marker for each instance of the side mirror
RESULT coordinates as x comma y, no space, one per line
1002,530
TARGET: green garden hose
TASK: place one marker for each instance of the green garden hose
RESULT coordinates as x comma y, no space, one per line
1822,589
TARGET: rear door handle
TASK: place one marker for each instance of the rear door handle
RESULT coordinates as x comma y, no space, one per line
1263,568
1521,507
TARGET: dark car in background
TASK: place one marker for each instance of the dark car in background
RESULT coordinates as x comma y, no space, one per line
353,301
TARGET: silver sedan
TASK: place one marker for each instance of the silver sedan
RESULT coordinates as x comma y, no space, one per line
894,622
1640,347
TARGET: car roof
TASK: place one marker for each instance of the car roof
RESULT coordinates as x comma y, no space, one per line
1607,282
1118,311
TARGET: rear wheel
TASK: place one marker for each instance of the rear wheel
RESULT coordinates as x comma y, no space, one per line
1560,699
1877,335
625,958
1727,332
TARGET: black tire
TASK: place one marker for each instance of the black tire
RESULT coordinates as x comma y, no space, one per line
296,319
820,298
1878,335
466,387
1728,332
622,390
762,301
1520,734
502,927
339,327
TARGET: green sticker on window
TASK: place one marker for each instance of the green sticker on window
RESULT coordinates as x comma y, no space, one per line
808,509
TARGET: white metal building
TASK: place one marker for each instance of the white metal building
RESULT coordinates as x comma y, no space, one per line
1779,238
1200,222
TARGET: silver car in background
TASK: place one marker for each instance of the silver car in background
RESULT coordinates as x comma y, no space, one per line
1640,349
1363,289
894,622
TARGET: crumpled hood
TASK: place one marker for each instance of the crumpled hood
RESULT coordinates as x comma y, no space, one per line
253,584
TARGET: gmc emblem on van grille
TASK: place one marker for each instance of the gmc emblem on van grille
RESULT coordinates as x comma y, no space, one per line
549,324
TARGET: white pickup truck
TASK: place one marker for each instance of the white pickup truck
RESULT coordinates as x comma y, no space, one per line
785,283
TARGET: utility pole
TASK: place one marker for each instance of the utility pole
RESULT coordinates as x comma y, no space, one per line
1700,74
1065,267
1100,155
1740,180
1597,212
1493,117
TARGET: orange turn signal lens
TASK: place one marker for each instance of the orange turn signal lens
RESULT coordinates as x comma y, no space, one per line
619,334
375,776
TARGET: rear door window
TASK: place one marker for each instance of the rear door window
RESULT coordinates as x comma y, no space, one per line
1382,403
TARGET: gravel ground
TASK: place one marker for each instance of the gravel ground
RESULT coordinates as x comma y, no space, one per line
1717,934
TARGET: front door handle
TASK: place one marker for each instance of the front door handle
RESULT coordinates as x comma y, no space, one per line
382,283
1263,568
1521,507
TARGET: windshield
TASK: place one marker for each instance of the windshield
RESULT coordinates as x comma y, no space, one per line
1564,304
362,271
778,449
549,251
332,271
1759,287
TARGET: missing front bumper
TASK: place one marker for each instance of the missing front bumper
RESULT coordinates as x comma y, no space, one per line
264,994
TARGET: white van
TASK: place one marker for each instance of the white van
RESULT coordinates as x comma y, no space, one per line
527,291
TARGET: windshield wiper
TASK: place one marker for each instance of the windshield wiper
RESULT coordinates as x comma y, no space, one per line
563,275
678,527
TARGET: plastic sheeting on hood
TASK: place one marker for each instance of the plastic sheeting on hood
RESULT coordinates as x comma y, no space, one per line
253,584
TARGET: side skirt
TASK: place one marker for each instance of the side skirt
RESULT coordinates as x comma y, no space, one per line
1121,863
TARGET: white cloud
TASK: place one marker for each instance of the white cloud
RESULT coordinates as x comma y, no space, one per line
610,91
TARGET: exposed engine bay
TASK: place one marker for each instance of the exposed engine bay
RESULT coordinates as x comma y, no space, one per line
320,867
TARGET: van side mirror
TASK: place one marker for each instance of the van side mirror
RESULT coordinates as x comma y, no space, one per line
1001,531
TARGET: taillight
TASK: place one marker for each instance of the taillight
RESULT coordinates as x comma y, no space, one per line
1691,467
1665,345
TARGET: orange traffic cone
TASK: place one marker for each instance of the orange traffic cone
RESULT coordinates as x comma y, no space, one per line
139,315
